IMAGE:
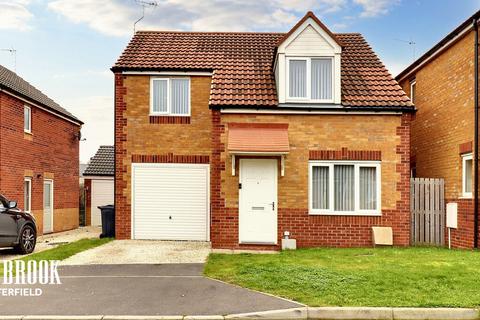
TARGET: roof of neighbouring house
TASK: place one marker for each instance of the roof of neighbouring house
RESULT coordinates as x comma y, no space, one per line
15,84
102,163
446,41
242,66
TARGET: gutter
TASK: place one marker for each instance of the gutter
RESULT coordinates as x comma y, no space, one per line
304,109
475,139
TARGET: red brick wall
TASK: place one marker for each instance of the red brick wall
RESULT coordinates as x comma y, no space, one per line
50,152
310,230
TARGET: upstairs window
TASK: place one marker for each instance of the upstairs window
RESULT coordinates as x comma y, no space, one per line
413,87
467,168
27,119
170,96
310,79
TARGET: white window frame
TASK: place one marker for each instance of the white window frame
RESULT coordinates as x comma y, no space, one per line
356,211
308,98
465,158
168,112
29,130
413,90
29,179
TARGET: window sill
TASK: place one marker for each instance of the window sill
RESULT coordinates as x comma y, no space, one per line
28,135
358,214
466,197
168,119
308,101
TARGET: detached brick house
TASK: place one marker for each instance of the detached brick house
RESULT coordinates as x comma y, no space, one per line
39,154
237,138
441,83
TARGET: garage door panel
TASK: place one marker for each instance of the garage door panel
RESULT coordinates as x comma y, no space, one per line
102,194
170,202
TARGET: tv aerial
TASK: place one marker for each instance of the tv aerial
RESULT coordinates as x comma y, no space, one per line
144,4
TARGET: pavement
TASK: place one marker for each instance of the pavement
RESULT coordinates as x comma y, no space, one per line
53,240
143,252
164,289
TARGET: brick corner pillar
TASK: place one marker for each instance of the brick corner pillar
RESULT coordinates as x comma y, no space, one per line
122,203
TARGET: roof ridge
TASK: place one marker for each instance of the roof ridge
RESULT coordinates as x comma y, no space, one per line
208,32
12,81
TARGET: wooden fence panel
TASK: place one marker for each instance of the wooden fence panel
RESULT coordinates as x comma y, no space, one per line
427,204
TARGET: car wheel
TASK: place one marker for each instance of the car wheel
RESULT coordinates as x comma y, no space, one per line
28,239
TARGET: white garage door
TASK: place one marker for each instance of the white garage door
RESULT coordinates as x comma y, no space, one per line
102,194
170,201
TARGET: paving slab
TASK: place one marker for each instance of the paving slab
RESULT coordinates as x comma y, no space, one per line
173,289
143,252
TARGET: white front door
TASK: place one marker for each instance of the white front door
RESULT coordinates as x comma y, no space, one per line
258,201
47,206
102,195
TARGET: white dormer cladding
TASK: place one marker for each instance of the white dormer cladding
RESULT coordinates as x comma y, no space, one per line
308,55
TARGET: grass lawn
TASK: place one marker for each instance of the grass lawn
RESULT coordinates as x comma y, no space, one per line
417,277
64,251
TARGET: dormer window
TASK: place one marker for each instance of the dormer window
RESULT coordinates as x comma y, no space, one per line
310,79
308,66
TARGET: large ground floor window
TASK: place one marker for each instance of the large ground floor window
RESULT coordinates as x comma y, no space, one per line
344,188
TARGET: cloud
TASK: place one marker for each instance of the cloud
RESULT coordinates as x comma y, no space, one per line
110,17
116,17
373,8
15,15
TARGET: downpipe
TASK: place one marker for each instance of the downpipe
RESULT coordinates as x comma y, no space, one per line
475,138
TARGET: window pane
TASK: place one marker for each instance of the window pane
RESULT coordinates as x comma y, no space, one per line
180,96
320,192
298,78
159,95
412,93
26,193
26,118
344,187
468,176
47,194
321,79
368,188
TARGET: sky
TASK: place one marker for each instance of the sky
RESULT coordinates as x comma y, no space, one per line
65,48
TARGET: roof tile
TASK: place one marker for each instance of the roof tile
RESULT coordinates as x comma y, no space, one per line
242,66
11,81
102,163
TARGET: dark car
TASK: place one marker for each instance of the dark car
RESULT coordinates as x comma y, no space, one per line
17,228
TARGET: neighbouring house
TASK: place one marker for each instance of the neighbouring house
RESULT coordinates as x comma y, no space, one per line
237,138
98,177
39,154
441,83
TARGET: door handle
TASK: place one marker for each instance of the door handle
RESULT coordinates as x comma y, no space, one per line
273,205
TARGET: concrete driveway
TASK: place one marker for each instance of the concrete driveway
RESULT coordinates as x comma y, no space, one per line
143,252
53,240
171,289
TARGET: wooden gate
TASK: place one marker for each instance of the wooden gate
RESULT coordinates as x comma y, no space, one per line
427,206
